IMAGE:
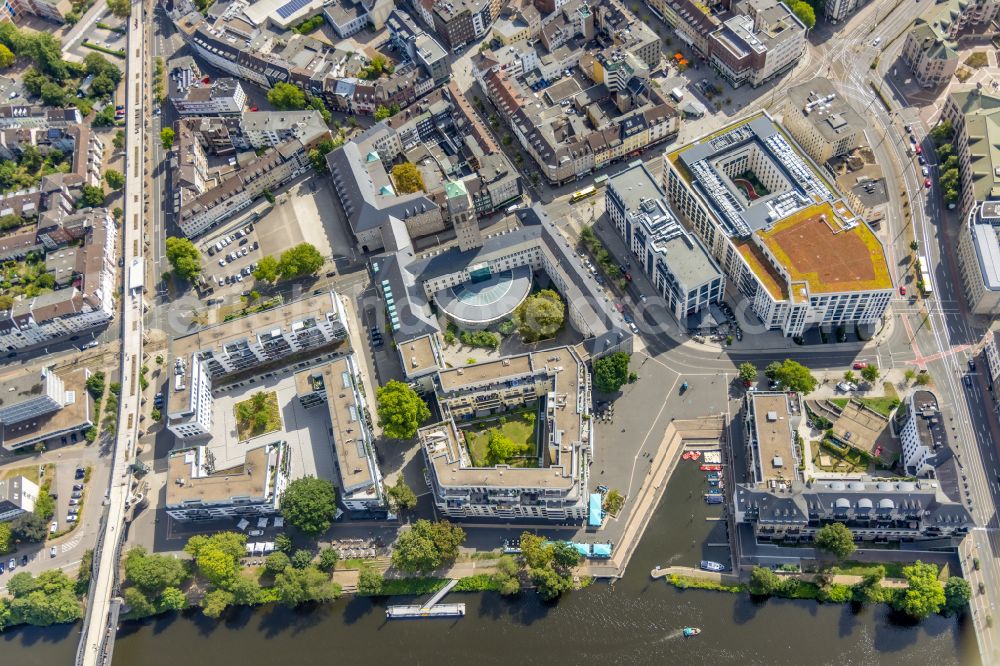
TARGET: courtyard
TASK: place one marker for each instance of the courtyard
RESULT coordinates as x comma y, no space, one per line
516,427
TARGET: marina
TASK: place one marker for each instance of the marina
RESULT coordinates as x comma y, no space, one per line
430,609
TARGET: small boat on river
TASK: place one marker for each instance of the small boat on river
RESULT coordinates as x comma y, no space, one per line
691,631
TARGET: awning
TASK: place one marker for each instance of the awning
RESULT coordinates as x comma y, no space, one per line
596,514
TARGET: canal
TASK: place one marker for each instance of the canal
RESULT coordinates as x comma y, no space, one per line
637,621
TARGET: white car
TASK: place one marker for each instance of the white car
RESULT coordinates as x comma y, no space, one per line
222,262
255,533
52,551
54,527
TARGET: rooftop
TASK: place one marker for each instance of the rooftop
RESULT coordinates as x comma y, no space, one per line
418,356
776,452
829,113
193,479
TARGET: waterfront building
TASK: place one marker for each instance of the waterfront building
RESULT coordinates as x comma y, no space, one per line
777,226
336,385
555,386
771,420
201,487
674,260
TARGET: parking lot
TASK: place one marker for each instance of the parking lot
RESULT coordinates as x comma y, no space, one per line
231,259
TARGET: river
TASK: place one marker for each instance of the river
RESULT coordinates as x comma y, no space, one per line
638,621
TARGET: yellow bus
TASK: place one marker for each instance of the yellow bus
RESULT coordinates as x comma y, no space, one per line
580,195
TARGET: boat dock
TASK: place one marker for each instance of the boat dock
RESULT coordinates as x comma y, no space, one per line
430,609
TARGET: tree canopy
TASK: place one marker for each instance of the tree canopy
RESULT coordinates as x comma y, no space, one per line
296,586
748,372
153,573
309,504
370,581
7,57
167,138
502,448
835,538
401,496
611,372
267,269
924,594
870,372
408,178
49,598
120,8
217,557
763,581
805,13
426,546
400,410
29,527
286,97
184,257
957,593
792,375
303,259
115,179
540,316
91,196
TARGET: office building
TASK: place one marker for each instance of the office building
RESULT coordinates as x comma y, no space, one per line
822,122
18,495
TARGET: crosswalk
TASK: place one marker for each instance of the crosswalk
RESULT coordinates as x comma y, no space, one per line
70,545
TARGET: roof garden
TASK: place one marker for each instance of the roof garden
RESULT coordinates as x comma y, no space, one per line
814,247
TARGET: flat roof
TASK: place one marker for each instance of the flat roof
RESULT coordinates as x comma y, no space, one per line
814,247
71,417
346,420
469,375
775,439
249,479
860,427
418,356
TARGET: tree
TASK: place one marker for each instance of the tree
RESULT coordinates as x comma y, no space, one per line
870,372
506,576
923,378
302,558
184,257
748,373
309,504
401,496
400,410
29,527
296,586
217,566
286,97
119,140
102,86
167,138
849,376
303,259
804,12
53,94
92,196
611,372
48,599
549,583
252,414
172,599
408,178
535,552
114,179
276,562
426,546
45,505
836,539
317,156
328,559
7,58
565,555
763,581
957,593
381,113
909,374
502,448
540,316
283,543
370,581
215,603
267,269
120,8
792,375
6,538
138,603
153,573
942,133
924,594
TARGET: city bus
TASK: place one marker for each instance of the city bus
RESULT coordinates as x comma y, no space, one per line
580,195
925,277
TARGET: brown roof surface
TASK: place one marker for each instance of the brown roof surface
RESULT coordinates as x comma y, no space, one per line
247,479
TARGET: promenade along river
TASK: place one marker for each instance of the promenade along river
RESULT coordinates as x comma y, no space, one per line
638,621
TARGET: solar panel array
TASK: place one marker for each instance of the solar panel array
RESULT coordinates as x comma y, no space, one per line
290,7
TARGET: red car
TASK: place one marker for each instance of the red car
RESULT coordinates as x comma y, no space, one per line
919,150
253,108
860,365
927,183
902,290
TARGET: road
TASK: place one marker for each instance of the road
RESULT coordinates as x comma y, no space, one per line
102,610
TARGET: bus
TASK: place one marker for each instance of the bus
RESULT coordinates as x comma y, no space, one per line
580,195
925,277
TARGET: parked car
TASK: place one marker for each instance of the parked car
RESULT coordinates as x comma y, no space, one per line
902,290
925,171
79,473
927,183
77,486
74,501
244,241
211,250
24,560
52,551
54,527
972,365
244,252
256,245
968,380
255,533
860,365
71,518
222,262
919,150
12,563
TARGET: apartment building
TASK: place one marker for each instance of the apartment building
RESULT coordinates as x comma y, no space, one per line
778,228
217,357
336,385
762,40
348,17
555,384
926,450
18,495
625,31
198,490
194,94
692,24
932,44
84,305
419,46
836,11
458,22
42,407
979,258
676,262
771,420
991,352
237,190
823,123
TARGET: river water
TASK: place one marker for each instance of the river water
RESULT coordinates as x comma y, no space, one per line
638,621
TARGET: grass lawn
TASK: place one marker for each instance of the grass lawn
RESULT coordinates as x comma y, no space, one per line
855,568
883,406
517,428
269,422
27,471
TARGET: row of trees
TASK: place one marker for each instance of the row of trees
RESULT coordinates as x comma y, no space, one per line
303,259
49,598
948,174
